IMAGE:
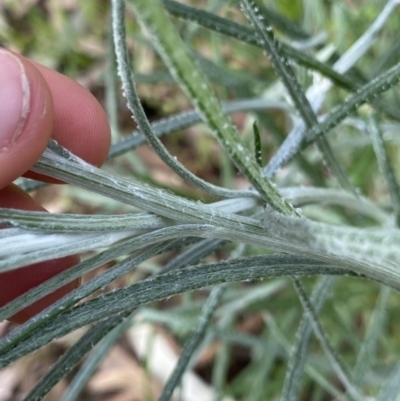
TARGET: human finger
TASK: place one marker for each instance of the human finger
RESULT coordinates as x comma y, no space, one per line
26,115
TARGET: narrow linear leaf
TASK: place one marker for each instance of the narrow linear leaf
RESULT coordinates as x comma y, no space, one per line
375,331
193,342
323,340
194,254
272,47
352,55
153,17
161,287
130,191
49,286
299,352
284,70
61,222
111,103
265,360
387,59
28,248
137,256
72,223
88,288
223,75
257,145
245,34
168,125
89,367
365,41
312,372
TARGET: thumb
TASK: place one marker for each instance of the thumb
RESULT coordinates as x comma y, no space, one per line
26,115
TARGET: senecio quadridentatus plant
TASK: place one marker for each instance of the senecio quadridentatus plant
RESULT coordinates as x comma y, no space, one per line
264,215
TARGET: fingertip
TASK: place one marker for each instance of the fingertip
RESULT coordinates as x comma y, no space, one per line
27,108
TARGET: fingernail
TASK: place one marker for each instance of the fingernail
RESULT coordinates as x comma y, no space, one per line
14,98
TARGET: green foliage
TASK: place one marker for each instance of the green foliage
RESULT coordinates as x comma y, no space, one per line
260,228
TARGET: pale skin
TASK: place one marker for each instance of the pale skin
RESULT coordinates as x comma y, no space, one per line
61,109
